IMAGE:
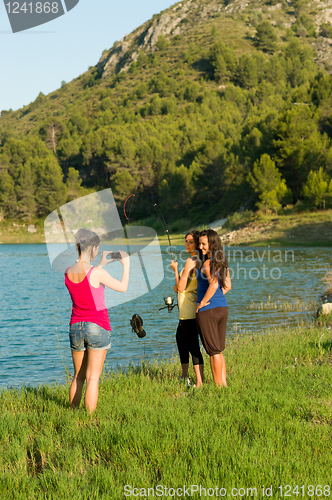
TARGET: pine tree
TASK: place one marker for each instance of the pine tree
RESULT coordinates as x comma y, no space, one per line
248,76
8,202
317,188
50,192
265,37
25,188
73,183
268,184
123,184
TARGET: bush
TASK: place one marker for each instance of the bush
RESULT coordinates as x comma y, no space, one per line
326,30
179,226
265,37
304,26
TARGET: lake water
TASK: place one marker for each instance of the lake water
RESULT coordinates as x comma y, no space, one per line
35,308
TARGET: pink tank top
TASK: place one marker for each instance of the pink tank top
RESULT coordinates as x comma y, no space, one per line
88,302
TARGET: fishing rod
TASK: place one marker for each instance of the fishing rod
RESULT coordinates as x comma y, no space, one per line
124,206
167,300
166,228
160,217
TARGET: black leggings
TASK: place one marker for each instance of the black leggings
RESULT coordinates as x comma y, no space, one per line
187,341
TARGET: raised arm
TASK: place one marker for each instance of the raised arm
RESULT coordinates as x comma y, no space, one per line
182,283
175,267
106,279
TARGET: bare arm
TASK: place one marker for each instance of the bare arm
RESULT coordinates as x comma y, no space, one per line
174,266
228,283
182,283
104,260
106,279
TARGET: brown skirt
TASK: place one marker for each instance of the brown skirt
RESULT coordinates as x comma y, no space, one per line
211,326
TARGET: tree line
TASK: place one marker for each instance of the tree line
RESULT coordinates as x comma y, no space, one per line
254,130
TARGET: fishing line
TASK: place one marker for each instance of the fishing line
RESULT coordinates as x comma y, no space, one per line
166,228
159,215
145,274
168,300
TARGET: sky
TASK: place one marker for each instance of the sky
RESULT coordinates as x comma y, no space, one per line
39,59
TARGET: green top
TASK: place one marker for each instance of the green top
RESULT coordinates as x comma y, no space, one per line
188,298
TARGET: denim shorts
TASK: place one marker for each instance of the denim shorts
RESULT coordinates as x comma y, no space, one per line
84,335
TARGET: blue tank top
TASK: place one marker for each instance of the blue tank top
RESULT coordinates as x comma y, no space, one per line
217,300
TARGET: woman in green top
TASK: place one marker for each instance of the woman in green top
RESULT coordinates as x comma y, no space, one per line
186,287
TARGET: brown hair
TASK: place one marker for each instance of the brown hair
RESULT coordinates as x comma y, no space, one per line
196,234
218,261
86,240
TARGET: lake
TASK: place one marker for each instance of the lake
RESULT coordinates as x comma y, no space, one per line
35,307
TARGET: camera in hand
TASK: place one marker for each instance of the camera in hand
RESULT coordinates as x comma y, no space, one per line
114,255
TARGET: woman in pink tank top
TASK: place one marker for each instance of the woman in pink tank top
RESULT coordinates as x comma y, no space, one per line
90,329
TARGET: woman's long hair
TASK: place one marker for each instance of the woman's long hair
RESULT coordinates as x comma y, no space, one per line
196,234
218,261
86,240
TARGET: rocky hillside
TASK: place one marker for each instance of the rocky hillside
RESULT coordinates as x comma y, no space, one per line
209,108
178,18
172,22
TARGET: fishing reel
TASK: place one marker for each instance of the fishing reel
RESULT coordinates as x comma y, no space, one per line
168,304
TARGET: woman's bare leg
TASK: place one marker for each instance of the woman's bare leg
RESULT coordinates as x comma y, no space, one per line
76,387
93,371
199,371
218,367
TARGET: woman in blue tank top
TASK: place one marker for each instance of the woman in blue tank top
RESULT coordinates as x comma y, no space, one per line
213,282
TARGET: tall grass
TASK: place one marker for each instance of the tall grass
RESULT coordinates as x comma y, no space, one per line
298,305
271,426
328,282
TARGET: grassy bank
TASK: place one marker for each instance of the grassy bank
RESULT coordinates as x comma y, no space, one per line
290,229
245,228
272,426
16,231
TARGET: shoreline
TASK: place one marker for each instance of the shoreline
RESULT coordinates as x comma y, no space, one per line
306,229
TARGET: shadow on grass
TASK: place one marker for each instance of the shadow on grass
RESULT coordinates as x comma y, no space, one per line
47,393
324,321
152,371
324,346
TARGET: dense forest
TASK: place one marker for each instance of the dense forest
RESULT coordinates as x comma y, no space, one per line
232,113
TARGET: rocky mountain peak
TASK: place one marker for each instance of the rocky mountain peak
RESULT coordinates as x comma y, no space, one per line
168,24
177,18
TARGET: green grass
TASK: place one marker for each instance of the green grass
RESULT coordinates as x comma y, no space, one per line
308,228
271,426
